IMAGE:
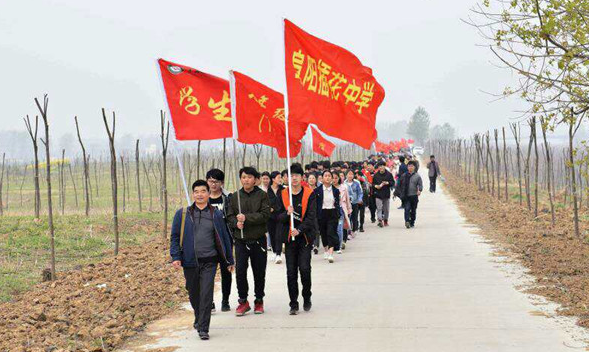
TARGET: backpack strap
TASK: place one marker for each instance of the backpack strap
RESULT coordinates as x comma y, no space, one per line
183,224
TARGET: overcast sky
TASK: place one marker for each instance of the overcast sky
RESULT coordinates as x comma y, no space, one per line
92,54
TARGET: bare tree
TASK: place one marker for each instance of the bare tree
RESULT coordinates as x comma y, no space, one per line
2,182
165,138
113,175
33,134
137,173
43,111
544,125
86,170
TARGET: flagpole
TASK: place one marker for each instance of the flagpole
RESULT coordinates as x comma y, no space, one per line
175,141
286,127
234,132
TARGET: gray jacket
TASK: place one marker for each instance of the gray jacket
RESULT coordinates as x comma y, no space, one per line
415,184
434,169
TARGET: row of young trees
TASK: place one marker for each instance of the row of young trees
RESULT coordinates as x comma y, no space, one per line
152,170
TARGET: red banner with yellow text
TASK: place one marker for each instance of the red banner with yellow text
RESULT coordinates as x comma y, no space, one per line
321,145
199,103
328,86
259,116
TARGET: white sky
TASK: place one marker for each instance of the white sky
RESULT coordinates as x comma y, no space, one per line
92,54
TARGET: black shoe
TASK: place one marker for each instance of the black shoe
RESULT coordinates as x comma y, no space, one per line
412,225
380,224
195,324
361,229
225,306
294,310
373,220
213,310
307,305
203,335
407,224
315,250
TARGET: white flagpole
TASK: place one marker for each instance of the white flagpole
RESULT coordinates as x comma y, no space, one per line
286,128
235,134
175,141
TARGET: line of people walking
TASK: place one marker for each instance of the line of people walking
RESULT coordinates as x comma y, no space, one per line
325,208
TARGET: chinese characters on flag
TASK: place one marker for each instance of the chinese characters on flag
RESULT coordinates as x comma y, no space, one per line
199,103
328,86
259,116
321,145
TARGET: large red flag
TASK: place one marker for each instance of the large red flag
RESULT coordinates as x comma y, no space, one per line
321,145
259,116
199,103
328,86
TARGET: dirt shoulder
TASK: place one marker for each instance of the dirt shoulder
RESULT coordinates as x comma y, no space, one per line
96,307
554,256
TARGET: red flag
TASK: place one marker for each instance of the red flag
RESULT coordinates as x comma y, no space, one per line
380,147
328,86
199,103
321,145
259,116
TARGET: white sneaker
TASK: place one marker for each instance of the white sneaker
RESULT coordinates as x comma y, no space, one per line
339,252
330,258
278,259
326,255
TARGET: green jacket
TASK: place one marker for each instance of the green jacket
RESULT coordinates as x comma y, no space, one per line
256,208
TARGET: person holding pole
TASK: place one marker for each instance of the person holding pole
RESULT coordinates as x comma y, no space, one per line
247,216
199,241
299,240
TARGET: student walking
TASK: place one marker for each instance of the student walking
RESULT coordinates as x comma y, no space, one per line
199,241
219,198
328,210
411,187
402,169
383,181
362,206
345,210
356,195
433,173
298,240
275,237
249,219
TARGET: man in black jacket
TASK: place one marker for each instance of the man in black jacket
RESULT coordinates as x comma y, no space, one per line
382,181
247,216
298,239
220,199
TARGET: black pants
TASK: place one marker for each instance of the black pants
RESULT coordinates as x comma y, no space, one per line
298,260
372,207
432,183
226,281
354,217
328,228
361,213
200,284
275,238
254,251
411,209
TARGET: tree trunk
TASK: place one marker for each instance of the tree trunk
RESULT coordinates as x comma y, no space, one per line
165,138
138,175
113,176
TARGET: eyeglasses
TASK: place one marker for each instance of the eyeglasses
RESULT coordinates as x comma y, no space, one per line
214,182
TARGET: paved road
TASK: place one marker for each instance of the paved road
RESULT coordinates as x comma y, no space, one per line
436,287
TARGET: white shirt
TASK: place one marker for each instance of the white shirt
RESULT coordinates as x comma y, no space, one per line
328,198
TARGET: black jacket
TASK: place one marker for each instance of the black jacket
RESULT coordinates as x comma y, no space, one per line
385,191
256,208
307,227
319,198
273,197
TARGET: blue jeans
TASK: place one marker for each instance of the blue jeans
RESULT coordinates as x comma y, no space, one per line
340,228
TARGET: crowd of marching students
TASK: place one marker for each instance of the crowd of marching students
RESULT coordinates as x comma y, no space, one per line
327,209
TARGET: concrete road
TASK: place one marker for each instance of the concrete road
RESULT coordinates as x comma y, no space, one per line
436,287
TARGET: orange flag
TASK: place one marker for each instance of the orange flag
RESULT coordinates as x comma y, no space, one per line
328,86
199,103
321,145
259,116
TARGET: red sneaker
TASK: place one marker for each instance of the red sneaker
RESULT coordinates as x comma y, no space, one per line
243,308
259,307
386,223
